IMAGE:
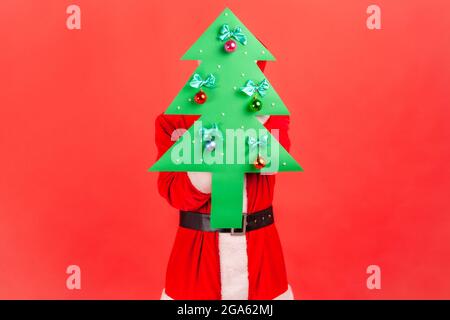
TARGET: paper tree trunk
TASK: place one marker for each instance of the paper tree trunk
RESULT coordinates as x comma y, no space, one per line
227,108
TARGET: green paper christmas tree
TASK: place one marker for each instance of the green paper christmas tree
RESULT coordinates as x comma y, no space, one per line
228,91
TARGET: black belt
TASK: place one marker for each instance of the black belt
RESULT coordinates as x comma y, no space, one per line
201,222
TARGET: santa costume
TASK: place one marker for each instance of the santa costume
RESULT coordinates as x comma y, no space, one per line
223,264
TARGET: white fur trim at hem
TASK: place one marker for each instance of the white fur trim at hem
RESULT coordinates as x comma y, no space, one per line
164,296
288,295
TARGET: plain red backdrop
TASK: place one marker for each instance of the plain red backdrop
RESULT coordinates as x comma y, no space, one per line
370,125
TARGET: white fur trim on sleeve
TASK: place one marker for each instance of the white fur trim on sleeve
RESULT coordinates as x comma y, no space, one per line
263,119
201,181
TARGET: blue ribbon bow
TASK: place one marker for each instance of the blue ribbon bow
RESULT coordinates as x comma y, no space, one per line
198,82
251,87
253,142
226,33
208,134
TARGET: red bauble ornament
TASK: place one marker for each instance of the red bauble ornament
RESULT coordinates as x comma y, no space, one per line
259,162
200,97
230,46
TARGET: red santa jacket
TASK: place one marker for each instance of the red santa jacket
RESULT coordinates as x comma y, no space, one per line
209,265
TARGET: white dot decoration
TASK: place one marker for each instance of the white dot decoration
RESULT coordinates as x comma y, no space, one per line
243,74
223,113
263,52
178,107
245,52
284,163
235,88
219,66
226,14
190,100
273,104
242,127
200,50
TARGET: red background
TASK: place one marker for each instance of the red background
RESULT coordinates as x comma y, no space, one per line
370,125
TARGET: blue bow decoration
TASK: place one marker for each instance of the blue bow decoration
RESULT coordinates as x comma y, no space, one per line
226,33
253,142
198,82
251,87
208,134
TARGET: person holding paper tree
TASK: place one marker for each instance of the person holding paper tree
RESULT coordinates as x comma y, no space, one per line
220,171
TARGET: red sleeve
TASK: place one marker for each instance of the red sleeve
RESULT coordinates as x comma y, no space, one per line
282,124
176,187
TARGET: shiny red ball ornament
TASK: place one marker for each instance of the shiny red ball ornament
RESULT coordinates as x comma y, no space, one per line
230,46
200,97
259,163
